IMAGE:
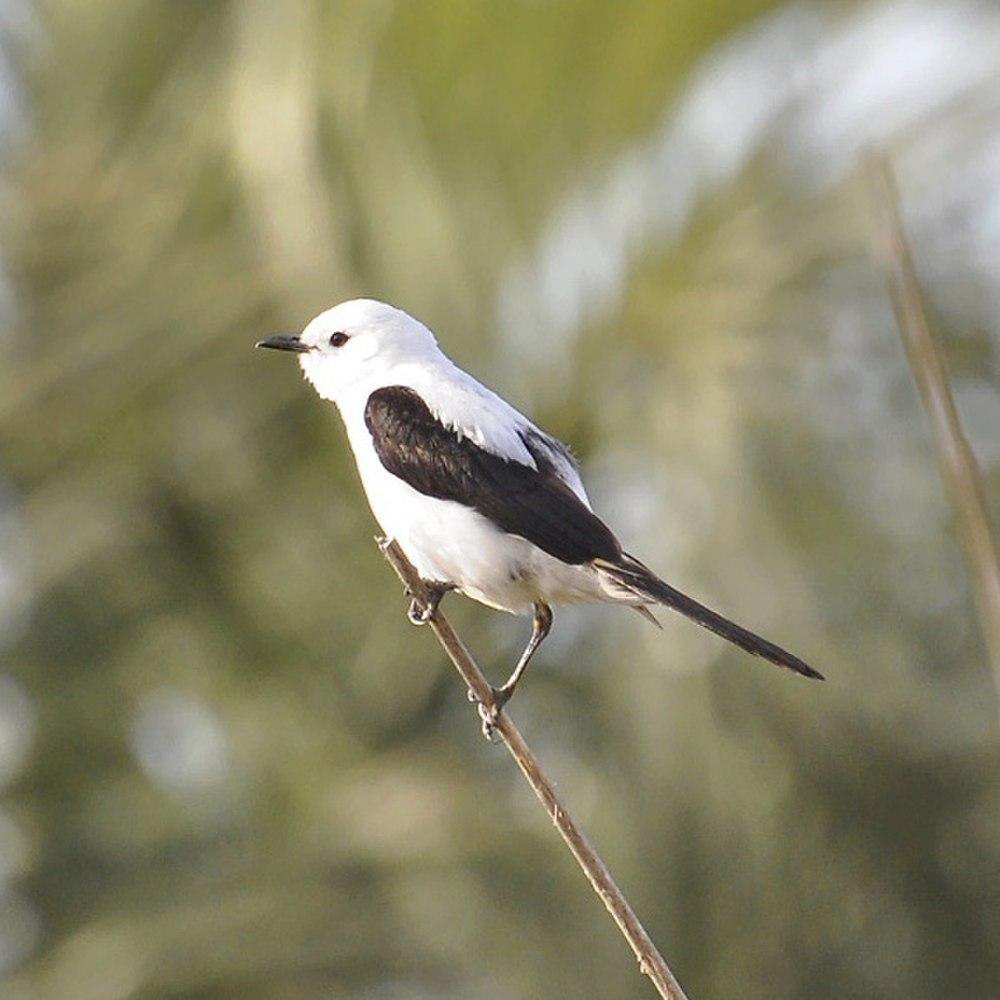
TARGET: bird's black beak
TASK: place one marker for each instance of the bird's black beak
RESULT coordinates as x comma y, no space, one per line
284,342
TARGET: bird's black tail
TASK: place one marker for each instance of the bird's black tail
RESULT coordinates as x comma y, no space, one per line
637,580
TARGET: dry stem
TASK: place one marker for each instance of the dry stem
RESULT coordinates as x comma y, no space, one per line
650,961
956,462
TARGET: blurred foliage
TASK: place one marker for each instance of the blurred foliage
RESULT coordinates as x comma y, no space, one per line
247,775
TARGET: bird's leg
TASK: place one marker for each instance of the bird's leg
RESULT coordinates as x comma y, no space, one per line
421,612
540,629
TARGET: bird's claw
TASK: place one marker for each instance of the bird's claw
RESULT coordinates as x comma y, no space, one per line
490,714
419,613
423,608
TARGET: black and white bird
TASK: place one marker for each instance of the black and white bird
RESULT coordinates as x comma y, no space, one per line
479,499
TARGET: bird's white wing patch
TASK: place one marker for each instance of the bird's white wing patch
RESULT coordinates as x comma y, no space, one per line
475,412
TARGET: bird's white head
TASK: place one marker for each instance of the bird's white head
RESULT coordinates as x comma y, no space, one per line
357,345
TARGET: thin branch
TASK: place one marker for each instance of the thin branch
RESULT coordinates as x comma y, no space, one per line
956,462
651,963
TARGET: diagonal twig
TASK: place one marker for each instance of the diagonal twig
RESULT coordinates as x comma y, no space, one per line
956,462
651,962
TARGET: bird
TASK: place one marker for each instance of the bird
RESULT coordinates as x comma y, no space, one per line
480,499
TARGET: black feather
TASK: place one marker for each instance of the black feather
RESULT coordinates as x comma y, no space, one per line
533,503
633,576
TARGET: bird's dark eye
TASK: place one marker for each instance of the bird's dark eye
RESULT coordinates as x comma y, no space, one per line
338,339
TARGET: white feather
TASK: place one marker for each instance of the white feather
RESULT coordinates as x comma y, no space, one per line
445,540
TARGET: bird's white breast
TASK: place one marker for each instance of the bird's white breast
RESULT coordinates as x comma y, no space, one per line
445,540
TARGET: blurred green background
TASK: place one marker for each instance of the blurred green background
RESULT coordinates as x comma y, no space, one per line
229,767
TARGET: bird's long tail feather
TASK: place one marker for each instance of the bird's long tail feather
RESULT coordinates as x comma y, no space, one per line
638,581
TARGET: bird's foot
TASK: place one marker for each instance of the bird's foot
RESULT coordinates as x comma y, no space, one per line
490,713
419,613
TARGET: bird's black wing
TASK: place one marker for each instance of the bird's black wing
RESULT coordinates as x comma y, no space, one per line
436,461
